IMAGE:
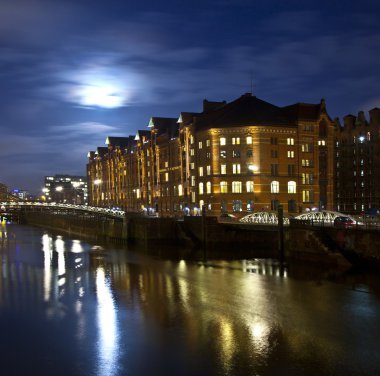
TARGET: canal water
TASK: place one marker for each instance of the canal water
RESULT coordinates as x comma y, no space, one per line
68,307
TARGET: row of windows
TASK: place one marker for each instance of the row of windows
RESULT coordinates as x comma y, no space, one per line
237,187
236,140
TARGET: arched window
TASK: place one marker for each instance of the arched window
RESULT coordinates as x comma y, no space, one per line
275,187
223,187
292,187
208,187
249,186
201,188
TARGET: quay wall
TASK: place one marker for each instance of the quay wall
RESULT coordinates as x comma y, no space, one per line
303,242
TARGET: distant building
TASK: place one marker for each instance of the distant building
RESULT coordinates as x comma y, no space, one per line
66,189
3,192
357,163
21,194
243,156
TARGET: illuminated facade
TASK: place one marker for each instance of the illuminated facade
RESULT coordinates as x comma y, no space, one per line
357,161
242,156
251,155
66,189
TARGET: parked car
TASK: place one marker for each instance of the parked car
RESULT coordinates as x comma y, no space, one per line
344,222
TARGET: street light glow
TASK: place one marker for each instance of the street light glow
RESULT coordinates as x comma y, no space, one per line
253,168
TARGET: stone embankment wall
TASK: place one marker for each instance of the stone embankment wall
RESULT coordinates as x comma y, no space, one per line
323,245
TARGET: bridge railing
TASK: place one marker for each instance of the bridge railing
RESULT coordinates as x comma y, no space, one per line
72,207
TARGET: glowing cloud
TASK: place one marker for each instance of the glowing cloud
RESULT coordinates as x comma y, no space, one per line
101,96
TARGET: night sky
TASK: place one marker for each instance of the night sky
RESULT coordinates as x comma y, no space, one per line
73,72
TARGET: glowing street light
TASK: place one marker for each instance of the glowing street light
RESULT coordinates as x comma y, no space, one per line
253,168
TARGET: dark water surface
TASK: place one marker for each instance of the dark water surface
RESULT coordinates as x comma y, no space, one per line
71,308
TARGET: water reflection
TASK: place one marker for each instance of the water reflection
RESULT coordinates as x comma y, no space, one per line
126,313
107,326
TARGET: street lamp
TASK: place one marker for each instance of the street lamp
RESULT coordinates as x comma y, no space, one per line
253,168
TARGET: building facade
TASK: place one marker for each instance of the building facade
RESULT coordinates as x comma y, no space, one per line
66,189
357,162
243,156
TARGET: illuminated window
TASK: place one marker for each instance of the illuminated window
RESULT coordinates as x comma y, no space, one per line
290,141
166,176
249,186
307,178
307,196
200,145
223,154
237,205
193,181
180,190
235,140
201,188
166,164
208,187
223,169
307,148
322,143
236,154
222,141
275,187
200,171
249,140
290,154
307,163
236,187
292,187
236,168
223,187
208,170
207,142
192,165
191,139
192,152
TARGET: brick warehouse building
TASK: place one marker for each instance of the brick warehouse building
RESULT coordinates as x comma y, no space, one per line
357,162
242,156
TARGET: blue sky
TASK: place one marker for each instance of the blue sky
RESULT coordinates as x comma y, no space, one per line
74,72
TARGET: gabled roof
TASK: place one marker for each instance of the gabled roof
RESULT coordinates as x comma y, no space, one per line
142,134
187,118
246,110
101,150
117,141
305,111
164,125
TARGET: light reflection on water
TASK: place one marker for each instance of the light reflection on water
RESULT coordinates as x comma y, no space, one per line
117,312
107,326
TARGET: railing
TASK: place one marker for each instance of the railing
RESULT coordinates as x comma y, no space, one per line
116,213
